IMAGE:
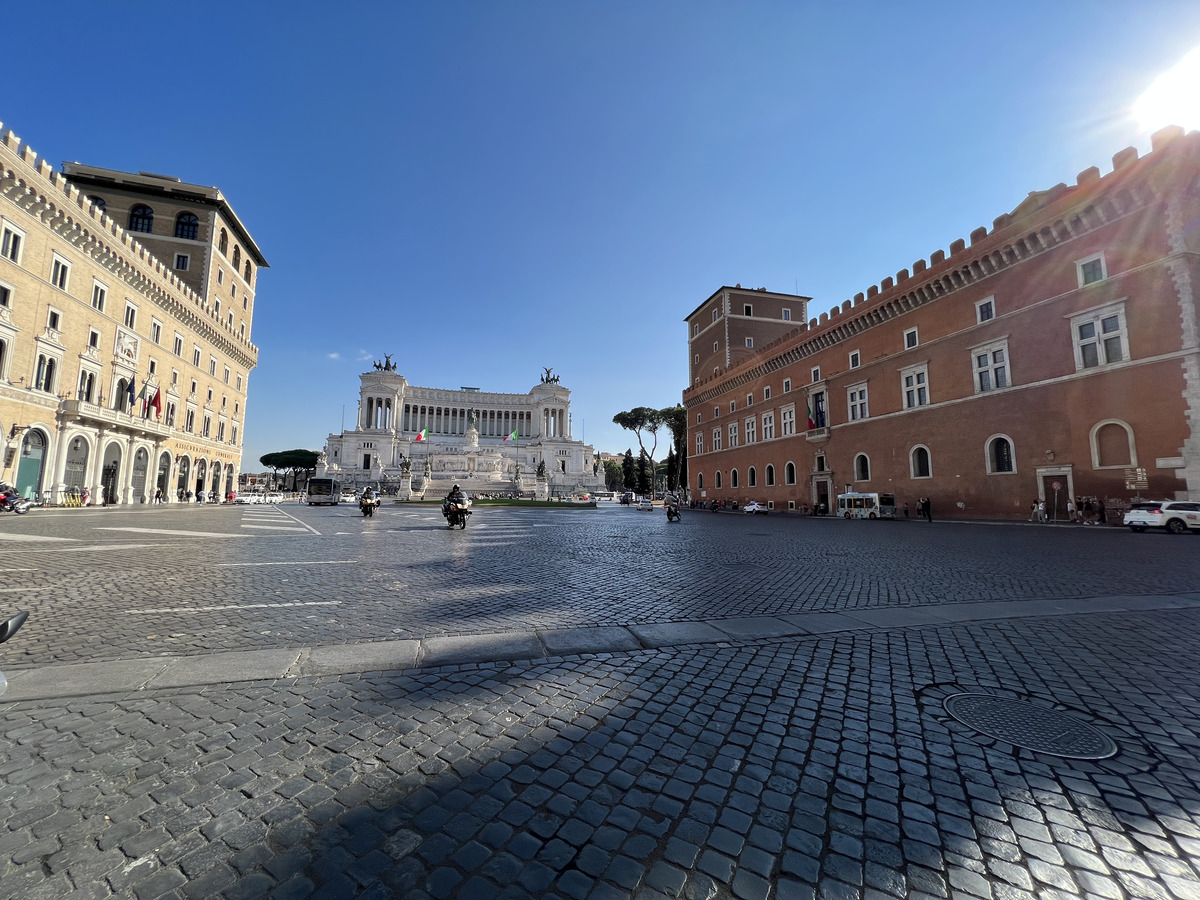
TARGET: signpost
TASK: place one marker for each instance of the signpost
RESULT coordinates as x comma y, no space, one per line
1057,487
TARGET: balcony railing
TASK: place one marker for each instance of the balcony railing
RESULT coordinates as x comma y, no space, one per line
111,418
818,434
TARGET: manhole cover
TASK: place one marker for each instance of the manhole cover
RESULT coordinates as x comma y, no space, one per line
1029,726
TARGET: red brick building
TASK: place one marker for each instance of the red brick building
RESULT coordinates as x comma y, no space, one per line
1059,348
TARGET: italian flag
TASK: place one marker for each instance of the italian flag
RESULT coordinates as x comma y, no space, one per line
811,423
511,437
422,434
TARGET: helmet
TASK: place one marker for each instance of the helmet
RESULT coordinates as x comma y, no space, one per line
455,488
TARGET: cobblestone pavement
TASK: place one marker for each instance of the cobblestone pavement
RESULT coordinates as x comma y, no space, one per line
784,767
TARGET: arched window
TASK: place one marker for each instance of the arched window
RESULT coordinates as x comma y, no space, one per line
999,455
862,468
699,481
248,272
770,476
718,479
99,203
237,257
187,225
223,241
919,462
789,473
1113,445
751,477
141,218
733,478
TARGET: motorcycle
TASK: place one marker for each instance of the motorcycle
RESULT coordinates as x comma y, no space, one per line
671,505
11,501
456,513
367,505
7,630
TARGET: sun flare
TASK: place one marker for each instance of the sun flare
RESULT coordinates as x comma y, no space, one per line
1173,98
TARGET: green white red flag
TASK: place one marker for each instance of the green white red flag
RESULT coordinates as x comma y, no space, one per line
422,435
511,437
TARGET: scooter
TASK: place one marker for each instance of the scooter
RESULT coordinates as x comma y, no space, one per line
673,512
7,630
10,501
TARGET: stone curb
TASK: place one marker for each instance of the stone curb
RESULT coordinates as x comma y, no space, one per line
128,676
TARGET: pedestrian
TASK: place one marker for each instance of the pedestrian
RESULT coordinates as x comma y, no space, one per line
1033,512
1041,509
906,510
1101,516
1070,510
926,509
1089,512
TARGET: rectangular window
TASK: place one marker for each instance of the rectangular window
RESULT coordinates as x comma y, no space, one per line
856,398
749,342
910,339
749,399
189,422
767,393
207,426
716,346
174,378
751,431
699,444
985,309
716,312
54,320
787,385
716,412
217,309
5,296
130,315
732,405
177,345
12,242
182,260
227,374
60,272
220,276
816,374
747,310
768,423
695,328
155,332
991,366
193,391
787,315
816,414
239,382
1100,336
196,356
716,438
94,339
212,365
915,381
220,431
787,421
733,435
99,295
1090,269
855,359
153,367
169,415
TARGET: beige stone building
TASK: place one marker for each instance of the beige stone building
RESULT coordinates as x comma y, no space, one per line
126,303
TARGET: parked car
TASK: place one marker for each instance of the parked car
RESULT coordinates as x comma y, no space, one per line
645,504
755,507
1176,516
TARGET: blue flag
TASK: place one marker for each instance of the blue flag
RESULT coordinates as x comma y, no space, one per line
131,391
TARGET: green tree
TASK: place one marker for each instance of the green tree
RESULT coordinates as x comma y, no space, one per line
669,468
295,461
645,483
614,477
642,419
675,418
628,476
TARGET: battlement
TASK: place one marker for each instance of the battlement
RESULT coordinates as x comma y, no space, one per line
1041,221
94,232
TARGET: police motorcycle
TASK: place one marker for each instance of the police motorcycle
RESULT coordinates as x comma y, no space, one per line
11,501
368,503
456,508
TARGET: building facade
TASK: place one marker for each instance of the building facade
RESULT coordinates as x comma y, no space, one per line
126,303
1056,356
486,442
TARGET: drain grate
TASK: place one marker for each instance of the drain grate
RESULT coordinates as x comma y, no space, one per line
1029,726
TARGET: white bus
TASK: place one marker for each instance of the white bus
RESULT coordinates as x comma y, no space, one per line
866,505
324,491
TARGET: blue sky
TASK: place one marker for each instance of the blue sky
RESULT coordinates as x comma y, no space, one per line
482,188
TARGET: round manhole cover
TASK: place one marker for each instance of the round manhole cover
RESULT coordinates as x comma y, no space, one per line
1032,727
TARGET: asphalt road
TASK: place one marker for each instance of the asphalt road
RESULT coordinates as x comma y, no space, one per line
730,706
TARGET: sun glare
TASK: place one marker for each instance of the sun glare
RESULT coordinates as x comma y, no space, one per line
1174,98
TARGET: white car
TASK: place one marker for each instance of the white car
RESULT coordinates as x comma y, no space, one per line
248,497
349,497
272,497
645,504
1176,516
755,507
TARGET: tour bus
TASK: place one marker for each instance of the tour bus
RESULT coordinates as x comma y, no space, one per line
324,491
866,505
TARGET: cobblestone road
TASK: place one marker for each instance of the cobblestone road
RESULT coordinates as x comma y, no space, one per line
785,767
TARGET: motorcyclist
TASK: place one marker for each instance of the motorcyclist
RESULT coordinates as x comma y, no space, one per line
455,496
368,496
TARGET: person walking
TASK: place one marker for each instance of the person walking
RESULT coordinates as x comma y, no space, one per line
1042,512
906,510
1071,510
927,509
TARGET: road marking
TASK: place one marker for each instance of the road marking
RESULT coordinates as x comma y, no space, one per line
170,531
195,609
276,513
26,589
33,537
314,562
88,548
276,527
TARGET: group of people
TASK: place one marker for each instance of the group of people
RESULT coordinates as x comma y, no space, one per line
1081,509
